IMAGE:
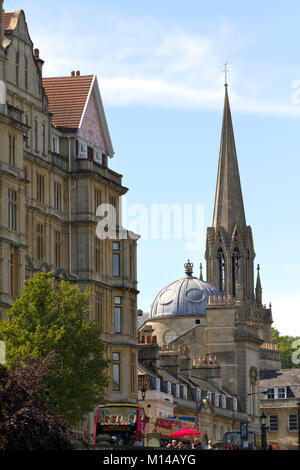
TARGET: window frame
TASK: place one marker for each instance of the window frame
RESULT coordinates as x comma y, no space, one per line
57,248
295,422
35,135
116,259
17,67
26,73
116,366
272,427
12,209
118,314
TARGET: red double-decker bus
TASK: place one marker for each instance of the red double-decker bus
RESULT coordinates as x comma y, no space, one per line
125,422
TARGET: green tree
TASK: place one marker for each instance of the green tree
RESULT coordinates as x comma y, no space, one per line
53,316
285,346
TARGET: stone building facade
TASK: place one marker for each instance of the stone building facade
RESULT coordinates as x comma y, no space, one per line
181,387
222,321
281,406
54,174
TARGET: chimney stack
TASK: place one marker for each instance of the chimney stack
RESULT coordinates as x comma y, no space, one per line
40,62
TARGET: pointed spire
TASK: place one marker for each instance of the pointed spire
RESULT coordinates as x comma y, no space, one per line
201,273
229,206
258,289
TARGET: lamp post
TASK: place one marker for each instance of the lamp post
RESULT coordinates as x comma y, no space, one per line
143,392
263,431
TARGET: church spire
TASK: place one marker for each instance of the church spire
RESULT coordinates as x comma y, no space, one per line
258,289
229,245
229,206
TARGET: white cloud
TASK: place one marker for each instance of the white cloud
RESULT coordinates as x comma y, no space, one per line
141,61
286,316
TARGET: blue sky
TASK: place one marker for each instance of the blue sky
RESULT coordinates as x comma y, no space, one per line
160,69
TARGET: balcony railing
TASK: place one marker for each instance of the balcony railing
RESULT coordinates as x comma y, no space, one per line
14,113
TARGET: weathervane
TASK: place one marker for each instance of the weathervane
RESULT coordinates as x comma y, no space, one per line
226,72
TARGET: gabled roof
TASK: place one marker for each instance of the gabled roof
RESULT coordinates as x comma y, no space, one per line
67,98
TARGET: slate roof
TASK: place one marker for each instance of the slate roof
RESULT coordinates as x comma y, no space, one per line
67,97
281,378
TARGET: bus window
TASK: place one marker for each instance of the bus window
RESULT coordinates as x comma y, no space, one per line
124,421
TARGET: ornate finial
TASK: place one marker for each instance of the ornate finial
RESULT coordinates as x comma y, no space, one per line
226,73
258,267
201,275
188,268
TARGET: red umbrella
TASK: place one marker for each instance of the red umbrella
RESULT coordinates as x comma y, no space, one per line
184,432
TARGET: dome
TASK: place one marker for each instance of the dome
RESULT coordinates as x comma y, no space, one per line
186,297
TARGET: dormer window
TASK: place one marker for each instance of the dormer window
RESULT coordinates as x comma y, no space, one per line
90,153
55,144
82,150
98,156
276,393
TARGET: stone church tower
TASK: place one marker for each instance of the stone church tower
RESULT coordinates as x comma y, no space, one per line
223,317
229,246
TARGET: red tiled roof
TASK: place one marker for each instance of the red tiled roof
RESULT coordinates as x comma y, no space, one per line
6,17
67,98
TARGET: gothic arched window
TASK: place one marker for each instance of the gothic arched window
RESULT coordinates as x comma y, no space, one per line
235,269
253,405
247,273
221,261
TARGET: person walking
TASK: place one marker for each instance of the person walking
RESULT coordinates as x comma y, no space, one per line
196,444
180,445
210,445
172,444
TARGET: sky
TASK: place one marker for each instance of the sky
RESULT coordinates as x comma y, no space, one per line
160,69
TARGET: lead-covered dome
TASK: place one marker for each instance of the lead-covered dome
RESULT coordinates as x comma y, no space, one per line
186,297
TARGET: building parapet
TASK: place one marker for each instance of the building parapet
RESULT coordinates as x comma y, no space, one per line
269,346
220,300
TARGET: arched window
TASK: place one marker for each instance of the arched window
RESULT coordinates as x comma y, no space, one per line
235,269
247,273
221,262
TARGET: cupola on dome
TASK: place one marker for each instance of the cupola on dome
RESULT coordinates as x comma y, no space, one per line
186,297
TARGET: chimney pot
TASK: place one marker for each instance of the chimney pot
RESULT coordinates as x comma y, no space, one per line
78,73
73,73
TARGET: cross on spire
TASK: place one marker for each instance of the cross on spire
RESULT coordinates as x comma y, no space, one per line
226,73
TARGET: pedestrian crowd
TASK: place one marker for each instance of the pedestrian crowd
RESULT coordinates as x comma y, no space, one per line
195,444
